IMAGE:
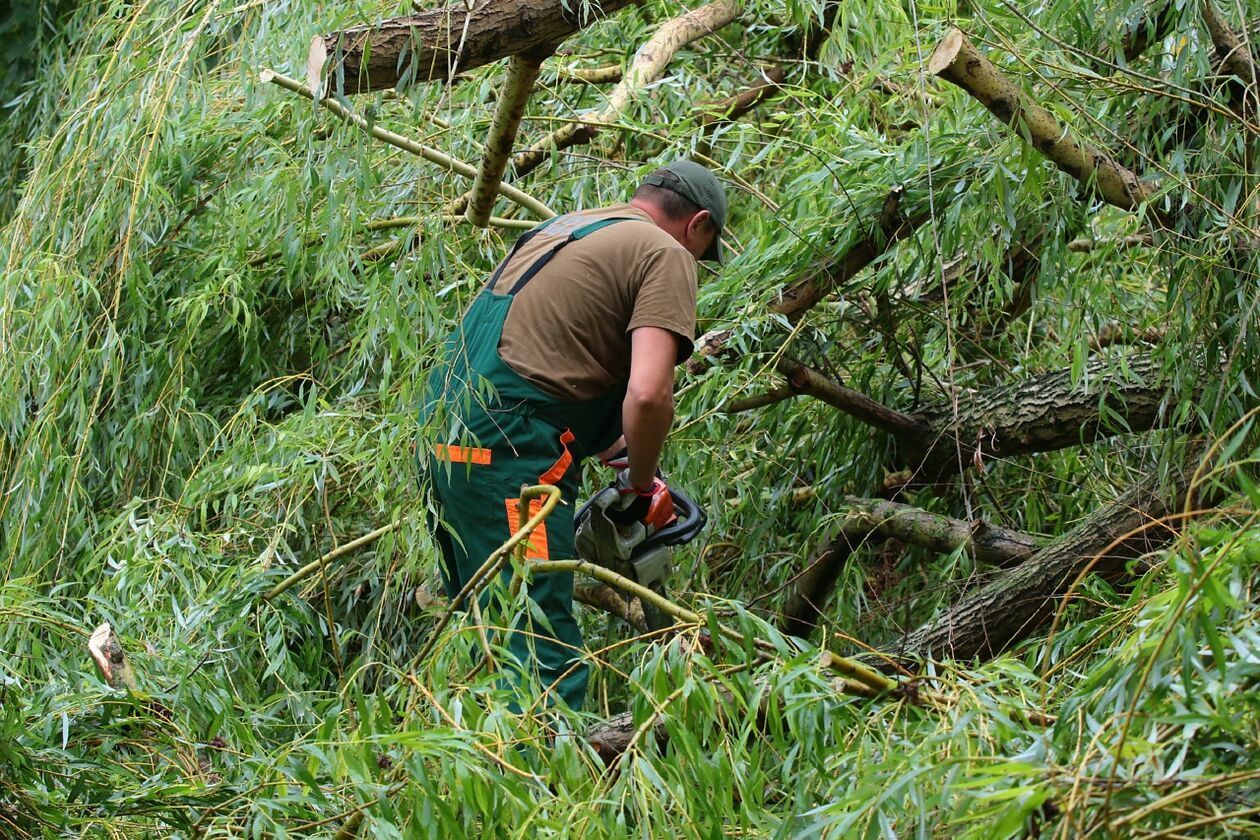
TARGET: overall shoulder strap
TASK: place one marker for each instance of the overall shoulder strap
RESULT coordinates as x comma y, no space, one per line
520,240
583,231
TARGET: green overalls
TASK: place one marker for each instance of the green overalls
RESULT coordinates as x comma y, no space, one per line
501,432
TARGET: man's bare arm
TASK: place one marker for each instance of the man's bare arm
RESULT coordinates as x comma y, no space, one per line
648,409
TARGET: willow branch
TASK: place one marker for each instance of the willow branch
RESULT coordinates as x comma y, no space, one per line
800,295
870,681
776,395
1085,245
648,66
486,572
806,380
338,552
522,72
608,75
1233,52
406,144
956,60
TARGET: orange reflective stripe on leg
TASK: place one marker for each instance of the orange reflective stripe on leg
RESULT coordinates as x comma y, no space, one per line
536,543
557,470
462,454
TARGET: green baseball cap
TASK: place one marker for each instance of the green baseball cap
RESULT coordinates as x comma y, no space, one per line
699,186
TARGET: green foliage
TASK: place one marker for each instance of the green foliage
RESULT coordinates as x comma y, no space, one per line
210,375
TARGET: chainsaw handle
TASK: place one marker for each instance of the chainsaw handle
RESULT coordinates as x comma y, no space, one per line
691,520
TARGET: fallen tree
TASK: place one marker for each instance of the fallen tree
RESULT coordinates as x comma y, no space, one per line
434,45
1018,602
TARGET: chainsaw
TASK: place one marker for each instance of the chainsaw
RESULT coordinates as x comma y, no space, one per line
631,550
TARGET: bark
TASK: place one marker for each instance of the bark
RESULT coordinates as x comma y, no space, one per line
1041,414
608,75
522,72
648,66
433,45
873,520
1114,335
806,380
1150,27
957,61
1236,58
1020,601
604,597
808,600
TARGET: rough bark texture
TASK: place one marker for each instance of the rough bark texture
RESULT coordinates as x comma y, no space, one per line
957,60
433,45
867,520
1041,414
522,72
1020,601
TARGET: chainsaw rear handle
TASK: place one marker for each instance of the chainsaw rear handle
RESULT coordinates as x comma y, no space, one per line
691,520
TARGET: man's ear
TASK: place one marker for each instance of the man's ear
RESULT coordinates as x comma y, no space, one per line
698,222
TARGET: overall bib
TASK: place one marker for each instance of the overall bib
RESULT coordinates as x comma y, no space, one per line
501,432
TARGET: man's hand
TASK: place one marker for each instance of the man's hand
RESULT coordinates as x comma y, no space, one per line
653,507
615,454
648,409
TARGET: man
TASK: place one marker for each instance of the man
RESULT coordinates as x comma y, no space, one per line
572,342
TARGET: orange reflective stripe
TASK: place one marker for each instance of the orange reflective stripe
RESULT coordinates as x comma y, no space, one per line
557,470
462,454
536,543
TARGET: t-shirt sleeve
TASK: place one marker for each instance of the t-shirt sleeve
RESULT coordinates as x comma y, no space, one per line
666,296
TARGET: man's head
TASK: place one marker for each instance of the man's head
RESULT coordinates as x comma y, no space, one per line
687,202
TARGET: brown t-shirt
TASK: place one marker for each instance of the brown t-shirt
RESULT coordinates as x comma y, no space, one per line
568,331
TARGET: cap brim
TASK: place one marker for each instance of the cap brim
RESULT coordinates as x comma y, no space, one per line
714,254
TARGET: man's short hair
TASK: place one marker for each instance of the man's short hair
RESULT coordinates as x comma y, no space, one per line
673,205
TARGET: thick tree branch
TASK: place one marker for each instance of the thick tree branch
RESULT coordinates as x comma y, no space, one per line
1148,28
957,61
1236,58
1019,602
522,72
1042,414
806,380
800,295
433,45
874,520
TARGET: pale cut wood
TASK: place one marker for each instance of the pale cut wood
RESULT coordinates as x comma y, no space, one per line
110,659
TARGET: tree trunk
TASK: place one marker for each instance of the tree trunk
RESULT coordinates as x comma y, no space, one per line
1019,602
867,520
1042,414
433,45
